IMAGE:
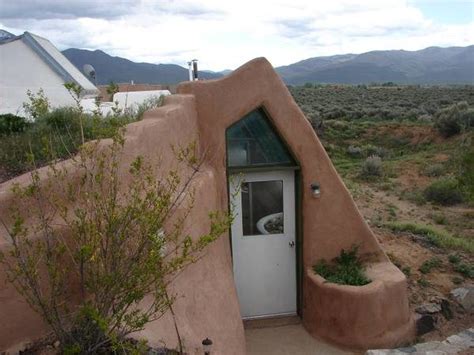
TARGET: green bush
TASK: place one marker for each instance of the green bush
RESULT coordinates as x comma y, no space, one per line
444,192
434,170
453,119
429,265
372,167
346,269
122,238
12,124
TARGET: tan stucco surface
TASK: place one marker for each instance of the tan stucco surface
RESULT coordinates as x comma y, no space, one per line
207,305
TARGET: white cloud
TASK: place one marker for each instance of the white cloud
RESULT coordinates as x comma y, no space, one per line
224,34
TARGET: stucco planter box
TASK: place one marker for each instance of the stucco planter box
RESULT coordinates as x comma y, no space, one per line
359,317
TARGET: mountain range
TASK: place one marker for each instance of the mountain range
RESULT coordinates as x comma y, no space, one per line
121,70
433,65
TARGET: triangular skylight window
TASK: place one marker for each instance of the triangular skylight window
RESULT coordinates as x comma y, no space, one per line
252,141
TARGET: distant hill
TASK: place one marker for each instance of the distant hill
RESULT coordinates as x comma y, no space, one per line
121,70
433,65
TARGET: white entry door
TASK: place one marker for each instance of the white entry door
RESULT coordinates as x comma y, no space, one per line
263,242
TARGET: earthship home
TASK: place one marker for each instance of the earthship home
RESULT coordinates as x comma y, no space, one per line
292,210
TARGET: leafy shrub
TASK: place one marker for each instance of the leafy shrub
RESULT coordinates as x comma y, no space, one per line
454,259
372,167
444,192
12,124
429,265
346,269
122,239
467,270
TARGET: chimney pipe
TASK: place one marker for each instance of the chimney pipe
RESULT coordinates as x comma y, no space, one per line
195,69
190,70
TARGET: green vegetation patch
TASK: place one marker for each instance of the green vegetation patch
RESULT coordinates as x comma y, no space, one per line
435,236
445,192
346,269
429,265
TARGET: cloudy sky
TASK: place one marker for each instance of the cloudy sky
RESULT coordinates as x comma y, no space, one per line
224,34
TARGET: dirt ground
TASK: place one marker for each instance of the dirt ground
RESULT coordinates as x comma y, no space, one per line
408,252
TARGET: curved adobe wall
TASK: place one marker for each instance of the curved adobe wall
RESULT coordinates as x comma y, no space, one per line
203,289
330,223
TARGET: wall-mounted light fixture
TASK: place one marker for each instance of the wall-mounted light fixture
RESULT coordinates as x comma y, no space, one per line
206,346
316,190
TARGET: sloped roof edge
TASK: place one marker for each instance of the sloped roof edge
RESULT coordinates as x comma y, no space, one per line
34,45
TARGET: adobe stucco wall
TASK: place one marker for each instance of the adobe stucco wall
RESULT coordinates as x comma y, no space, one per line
373,315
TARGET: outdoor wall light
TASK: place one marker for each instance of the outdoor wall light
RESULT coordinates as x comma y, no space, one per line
206,346
316,190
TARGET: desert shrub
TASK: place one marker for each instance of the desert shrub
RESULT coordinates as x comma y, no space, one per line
439,218
429,265
444,192
346,269
434,170
122,238
465,167
12,124
454,259
425,118
416,196
467,270
372,167
337,124
371,150
453,119
354,151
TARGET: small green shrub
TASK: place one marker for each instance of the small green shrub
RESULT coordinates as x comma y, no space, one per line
434,170
346,269
453,119
372,167
467,270
423,282
454,259
439,218
444,192
415,196
429,265
406,270
354,151
12,124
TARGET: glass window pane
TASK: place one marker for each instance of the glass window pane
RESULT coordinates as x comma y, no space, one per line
262,207
252,141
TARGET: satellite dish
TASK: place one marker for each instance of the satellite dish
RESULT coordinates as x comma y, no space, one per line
89,71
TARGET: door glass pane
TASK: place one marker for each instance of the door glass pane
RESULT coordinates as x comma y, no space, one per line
262,207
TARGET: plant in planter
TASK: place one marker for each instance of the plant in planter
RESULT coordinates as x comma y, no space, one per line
345,269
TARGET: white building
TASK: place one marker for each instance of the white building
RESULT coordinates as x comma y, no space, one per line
30,62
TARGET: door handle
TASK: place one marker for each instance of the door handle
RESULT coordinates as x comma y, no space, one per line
292,244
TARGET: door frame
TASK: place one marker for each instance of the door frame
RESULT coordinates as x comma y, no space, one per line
298,221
